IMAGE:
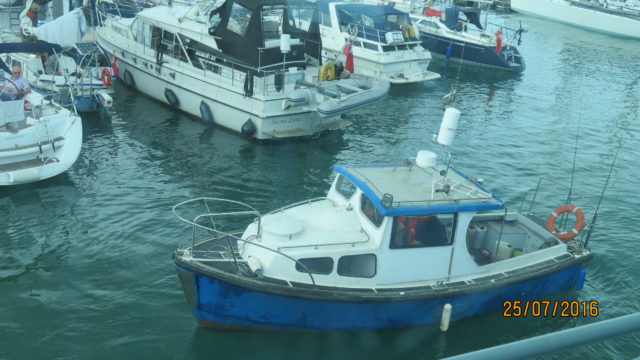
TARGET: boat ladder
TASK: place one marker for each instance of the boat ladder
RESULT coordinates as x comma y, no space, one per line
44,138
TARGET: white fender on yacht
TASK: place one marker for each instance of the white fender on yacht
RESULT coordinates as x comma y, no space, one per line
24,176
254,265
448,126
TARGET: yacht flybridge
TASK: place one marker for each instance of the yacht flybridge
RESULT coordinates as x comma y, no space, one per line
241,64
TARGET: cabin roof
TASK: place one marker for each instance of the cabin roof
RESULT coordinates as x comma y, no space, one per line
366,9
419,191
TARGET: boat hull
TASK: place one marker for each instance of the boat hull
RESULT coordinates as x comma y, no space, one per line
581,17
29,163
508,59
217,302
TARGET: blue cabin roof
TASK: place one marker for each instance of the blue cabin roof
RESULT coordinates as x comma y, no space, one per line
376,12
31,48
419,191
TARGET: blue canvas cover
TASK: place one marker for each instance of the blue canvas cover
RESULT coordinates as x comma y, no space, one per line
23,47
376,12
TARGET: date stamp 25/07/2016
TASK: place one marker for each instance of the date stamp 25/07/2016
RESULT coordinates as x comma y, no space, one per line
550,308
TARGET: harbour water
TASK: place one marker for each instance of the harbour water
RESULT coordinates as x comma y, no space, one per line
85,258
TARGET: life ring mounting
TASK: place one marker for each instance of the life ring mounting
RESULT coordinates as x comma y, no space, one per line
105,76
568,235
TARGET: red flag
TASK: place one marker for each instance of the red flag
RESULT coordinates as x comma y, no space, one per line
114,65
348,52
498,41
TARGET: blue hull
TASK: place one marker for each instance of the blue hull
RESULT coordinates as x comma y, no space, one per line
221,303
508,59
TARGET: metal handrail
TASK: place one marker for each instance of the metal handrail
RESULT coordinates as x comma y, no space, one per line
557,341
253,211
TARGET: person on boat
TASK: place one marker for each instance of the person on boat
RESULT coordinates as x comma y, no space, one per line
17,86
414,231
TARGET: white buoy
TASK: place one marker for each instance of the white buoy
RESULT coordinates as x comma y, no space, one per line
255,266
446,316
426,159
448,126
285,43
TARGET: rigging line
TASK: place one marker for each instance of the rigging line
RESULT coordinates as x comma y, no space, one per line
595,215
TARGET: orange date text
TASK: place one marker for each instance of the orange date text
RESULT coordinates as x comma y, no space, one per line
550,308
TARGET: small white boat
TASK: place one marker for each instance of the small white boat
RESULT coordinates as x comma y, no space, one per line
390,246
39,139
621,18
381,38
240,64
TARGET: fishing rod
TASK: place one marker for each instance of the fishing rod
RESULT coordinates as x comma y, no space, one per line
573,171
595,215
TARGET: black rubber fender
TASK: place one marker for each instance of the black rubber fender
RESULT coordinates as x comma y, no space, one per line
205,112
248,128
171,98
129,81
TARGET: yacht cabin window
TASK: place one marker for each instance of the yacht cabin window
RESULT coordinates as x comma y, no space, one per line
320,265
345,187
272,18
422,231
370,211
301,17
357,265
239,20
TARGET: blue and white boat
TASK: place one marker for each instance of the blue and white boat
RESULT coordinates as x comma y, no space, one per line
457,33
390,246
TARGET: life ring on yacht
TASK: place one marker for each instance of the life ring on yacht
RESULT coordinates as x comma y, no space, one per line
566,236
327,71
105,76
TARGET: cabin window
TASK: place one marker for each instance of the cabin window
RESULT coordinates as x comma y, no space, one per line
144,34
272,18
239,20
321,265
301,17
370,211
357,265
345,187
325,19
370,46
422,231
395,22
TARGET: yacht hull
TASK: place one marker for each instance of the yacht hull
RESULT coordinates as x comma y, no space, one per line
562,11
508,59
229,107
22,160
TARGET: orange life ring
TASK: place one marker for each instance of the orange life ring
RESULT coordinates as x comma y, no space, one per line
105,76
566,236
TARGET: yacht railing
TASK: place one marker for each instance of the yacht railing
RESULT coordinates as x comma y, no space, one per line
228,237
376,36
